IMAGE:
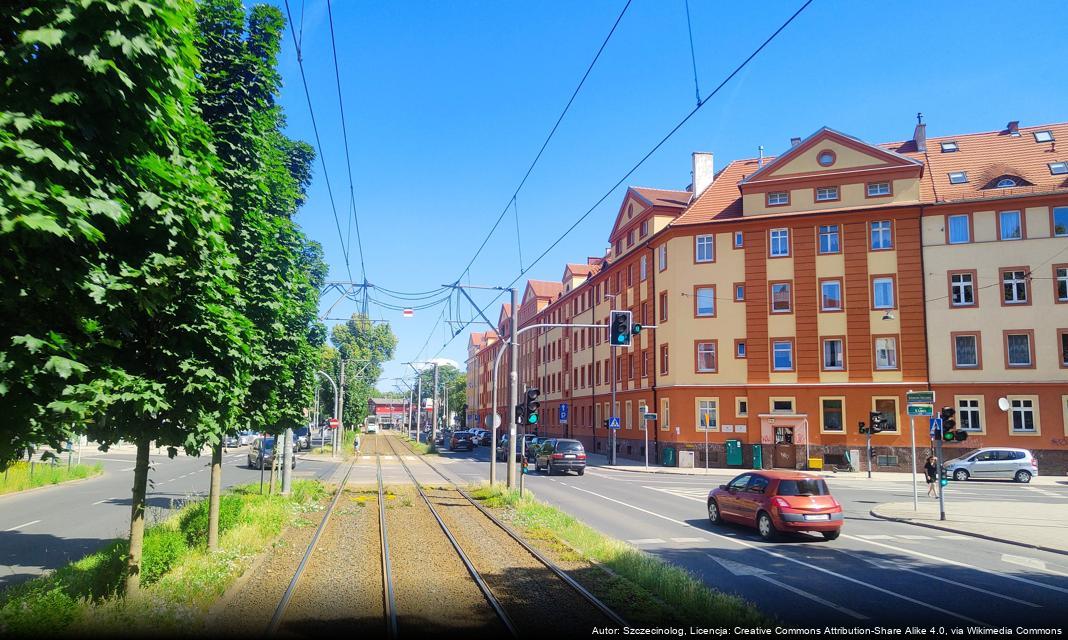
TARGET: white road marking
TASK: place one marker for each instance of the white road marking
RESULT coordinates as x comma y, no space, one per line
103,501
927,556
22,525
128,468
914,537
953,536
646,541
781,556
740,569
876,537
1030,563
684,540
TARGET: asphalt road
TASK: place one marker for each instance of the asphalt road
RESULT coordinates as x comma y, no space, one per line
876,573
44,529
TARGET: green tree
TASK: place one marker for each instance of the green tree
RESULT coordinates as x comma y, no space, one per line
146,331
453,381
364,346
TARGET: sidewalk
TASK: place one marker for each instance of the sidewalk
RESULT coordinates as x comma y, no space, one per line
1028,524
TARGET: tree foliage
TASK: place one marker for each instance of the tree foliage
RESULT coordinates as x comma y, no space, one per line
364,346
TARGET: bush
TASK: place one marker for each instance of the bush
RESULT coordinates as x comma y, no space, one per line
194,522
163,548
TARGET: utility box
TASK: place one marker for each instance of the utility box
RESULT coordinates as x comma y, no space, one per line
758,457
734,453
668,457
686,459
815,464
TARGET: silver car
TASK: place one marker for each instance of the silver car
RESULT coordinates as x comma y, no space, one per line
264,446
994,462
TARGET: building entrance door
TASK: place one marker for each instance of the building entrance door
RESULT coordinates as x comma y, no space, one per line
785,454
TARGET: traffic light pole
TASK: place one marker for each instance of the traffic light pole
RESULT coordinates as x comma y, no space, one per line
869,451
915,489
941,489
513,387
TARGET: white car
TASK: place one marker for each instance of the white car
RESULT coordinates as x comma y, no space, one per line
245,437
994,462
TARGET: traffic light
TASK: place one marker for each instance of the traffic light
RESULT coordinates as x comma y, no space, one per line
877,422
520,413
950,431
635,328
620,328
863,428
530,407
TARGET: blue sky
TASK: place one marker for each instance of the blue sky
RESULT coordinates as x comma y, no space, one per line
448,102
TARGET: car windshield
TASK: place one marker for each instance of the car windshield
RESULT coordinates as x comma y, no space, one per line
268,443
569,445
303,431
804,487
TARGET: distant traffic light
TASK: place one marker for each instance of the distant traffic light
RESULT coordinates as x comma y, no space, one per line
878,422
531,405
620,328
863,428
950,430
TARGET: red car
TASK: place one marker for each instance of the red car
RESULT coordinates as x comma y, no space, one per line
777,501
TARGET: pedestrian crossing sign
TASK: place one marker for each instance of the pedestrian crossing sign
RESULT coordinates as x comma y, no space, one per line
613,423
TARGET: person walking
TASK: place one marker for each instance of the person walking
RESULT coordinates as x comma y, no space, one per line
930,470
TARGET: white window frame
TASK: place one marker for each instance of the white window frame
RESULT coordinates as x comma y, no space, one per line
888,285
708,407
643,269
777,198
1064,211
739,289
837,284
662,253
779,243
789,298
1058,280
950,146
967,228
878,190
975,350
826,194
1024,407
831,233
711,295
962,286
1030,352
705,242
739,349
1010,278
972,406
884,231
891,362
775,350
739,239
707,348
840,366
1058,168
1001,225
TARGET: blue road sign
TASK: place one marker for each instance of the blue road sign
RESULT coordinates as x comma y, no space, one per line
613,423
936,426
563,412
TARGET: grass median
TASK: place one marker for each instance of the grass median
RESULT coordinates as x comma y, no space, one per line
20,476
180,578
647,590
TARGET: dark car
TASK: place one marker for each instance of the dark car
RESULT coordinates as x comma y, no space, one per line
502,447
560,455
777,501
461,440
266,447
532,447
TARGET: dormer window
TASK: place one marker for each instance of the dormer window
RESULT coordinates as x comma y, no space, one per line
950,147
1005,183
778,198
1058,168
826,158
958,177
1044,136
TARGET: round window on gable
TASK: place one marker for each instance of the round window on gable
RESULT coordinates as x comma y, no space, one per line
826,158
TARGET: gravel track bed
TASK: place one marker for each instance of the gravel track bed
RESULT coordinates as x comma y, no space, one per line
248,611
538,602
434,592
340,591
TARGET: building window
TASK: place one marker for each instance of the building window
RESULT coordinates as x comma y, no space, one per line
739,349
1058,168
619,247
1023,414
630,238
627,424
704,250
662,256
966,350
829,242
782,355
969,414
706,357
962,289
1005,183
825,158
833,354
1044,136
1060,283
831,295
780,297
832,411
705,302
739,239
663,306
739,292
882,290
886,353
642,268
958,177
949,147
1018,351
778,198
1062,338
876,189
644,229
1014,286
959,231
826,194
1009,225
780,243
782,405
1060,221
706,415
887,407
665,414
663,359
645,363
741,407
881,235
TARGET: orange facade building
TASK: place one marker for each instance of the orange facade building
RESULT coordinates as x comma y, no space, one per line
793,295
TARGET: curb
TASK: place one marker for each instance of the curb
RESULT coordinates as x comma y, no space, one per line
53,486
972,534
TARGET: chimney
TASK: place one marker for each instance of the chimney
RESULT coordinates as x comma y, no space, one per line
760,161
795,141
919,134
593,260
703,172
1013,128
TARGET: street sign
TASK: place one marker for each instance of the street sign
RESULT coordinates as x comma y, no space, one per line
936,426
920,397
649,416
613,423
925,410
563,412
493,421
332,423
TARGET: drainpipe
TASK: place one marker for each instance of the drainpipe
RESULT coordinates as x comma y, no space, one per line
654,298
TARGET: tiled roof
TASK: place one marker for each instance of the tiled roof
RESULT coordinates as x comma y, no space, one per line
582,269
477,338
545,288
664,197
984,156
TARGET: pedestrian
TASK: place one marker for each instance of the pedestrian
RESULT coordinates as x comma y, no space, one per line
930,469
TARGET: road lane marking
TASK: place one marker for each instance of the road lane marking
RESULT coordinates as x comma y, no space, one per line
876,536
684,540
781,556
646,541
1030,563
914,537
103,501
128,468
739,569
953,536
22,525
928,556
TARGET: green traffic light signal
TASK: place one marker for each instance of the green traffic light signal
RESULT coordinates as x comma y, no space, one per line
533,418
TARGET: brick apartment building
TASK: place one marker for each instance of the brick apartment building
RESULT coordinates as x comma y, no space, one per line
793,295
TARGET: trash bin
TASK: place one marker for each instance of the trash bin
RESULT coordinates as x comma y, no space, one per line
734,453
668,457
758,457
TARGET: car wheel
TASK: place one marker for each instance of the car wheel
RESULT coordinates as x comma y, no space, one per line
1023,476
831,535
581,471
961,474
713,512
549,469
766,527
250,464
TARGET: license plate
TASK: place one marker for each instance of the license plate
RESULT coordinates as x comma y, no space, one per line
817,516
569,455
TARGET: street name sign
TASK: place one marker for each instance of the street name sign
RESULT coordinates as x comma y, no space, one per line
649,416
924,410
920,397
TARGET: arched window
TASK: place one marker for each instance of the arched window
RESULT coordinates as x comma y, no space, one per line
1005,183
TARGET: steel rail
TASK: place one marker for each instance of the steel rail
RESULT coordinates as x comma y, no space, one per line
280,610
585,593
388,601
486,592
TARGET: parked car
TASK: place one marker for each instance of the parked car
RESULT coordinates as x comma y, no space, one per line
502,447
532,446
482,437
993,462
302,438
441,437
461,440
231,441
560,455
266,445
245,437
776,502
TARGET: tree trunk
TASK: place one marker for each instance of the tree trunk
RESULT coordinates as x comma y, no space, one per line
287,463
274,465
213,497
137,518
